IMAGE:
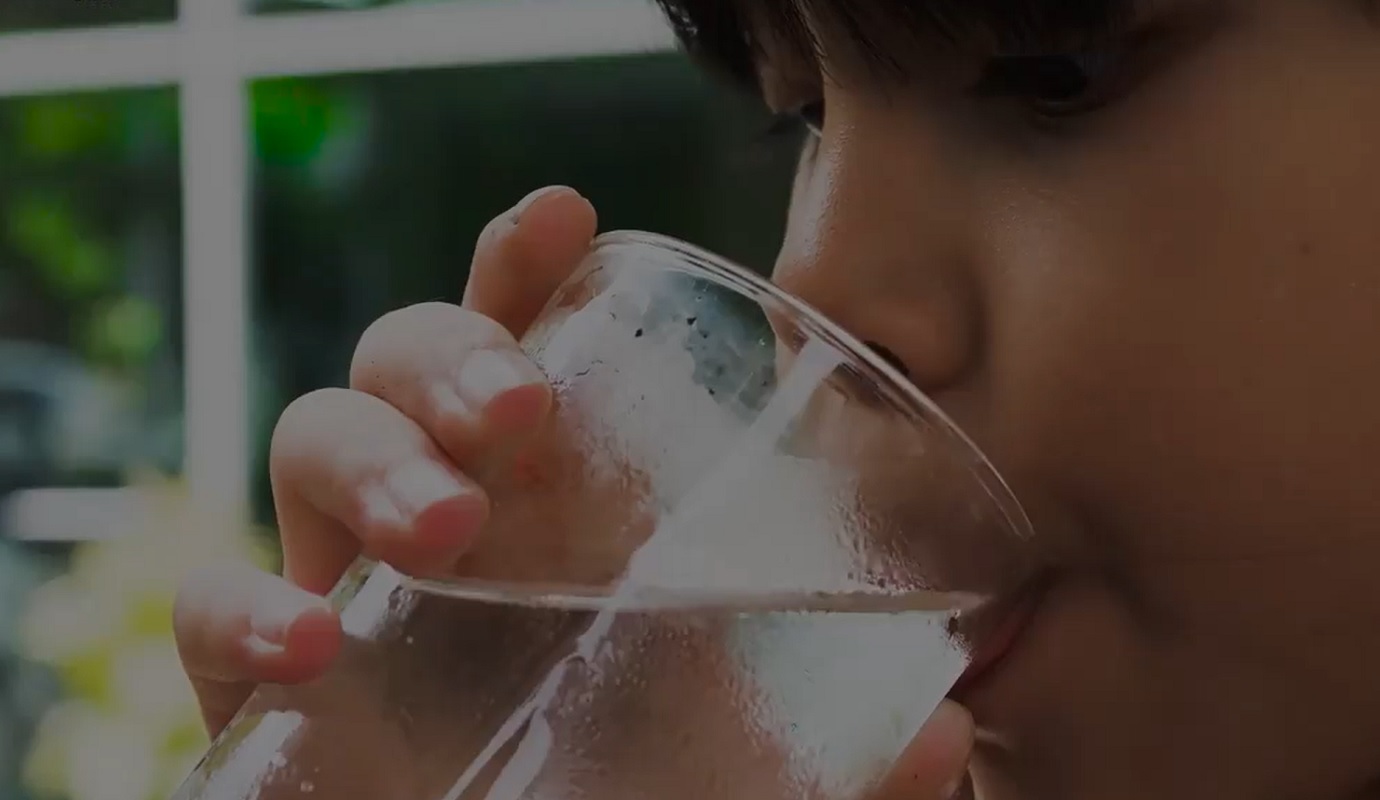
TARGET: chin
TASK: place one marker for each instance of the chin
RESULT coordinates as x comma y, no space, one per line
1053,715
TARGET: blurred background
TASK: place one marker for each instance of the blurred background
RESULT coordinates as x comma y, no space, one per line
202,206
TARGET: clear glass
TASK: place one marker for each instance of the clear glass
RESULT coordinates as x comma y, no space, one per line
744,559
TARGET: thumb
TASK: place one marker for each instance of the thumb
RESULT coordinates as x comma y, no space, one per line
935,765
237,627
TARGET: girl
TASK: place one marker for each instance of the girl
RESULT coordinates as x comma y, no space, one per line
1131,247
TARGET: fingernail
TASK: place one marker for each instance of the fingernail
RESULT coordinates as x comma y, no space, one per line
486,374
415,487
269,625
532,199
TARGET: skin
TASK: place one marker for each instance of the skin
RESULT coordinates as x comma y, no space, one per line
1155,322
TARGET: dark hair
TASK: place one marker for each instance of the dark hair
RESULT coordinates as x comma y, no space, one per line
725,34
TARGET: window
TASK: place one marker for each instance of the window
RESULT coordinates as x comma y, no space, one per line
211,54
204,205
371,189
90,287
26,15
90,336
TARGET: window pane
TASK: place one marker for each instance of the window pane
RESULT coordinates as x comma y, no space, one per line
90,289
90,389
27,689
371,189
24,15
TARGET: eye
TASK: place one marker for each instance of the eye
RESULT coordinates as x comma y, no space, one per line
812,114
1055,86
810,117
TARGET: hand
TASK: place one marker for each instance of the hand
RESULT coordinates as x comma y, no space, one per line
385,468
935,766
380,468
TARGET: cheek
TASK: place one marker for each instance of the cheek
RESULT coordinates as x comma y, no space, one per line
1184,353
811,197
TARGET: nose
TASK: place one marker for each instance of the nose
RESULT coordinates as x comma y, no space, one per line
876,241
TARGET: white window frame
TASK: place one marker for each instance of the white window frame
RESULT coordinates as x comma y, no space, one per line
210,53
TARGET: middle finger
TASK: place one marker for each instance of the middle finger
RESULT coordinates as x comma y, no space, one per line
384,489
458,374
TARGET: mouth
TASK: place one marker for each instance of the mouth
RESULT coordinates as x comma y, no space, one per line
999,630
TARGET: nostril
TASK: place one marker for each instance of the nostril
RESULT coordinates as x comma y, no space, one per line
889,357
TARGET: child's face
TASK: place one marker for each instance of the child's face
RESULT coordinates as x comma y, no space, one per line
1160,318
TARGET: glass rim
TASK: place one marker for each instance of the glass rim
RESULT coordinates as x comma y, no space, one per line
896,388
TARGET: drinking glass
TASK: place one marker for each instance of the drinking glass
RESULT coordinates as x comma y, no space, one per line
744,559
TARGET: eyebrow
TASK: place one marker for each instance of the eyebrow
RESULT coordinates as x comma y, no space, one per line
726,35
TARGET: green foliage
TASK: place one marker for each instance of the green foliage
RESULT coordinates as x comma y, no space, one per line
127,727
124,332
295,119
110,327
70,262
66,126
86,176
73,163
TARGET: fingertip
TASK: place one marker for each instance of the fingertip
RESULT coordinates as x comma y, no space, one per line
445,530
315,638
423,517
526,207
503,390
558,226
305,648
519,409
555,209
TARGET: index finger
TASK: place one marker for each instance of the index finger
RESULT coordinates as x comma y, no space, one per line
523,256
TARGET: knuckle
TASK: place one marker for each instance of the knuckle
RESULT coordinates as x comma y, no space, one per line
191,608
396,344
305,412
183,613
457,438
293,434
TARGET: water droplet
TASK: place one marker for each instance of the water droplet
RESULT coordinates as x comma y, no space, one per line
410,640
307,787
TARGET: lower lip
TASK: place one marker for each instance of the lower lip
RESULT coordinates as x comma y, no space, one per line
1001,643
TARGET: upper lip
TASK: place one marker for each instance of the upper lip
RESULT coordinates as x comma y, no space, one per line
993,631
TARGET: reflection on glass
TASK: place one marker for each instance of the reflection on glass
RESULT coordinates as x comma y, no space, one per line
30,15
370,190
